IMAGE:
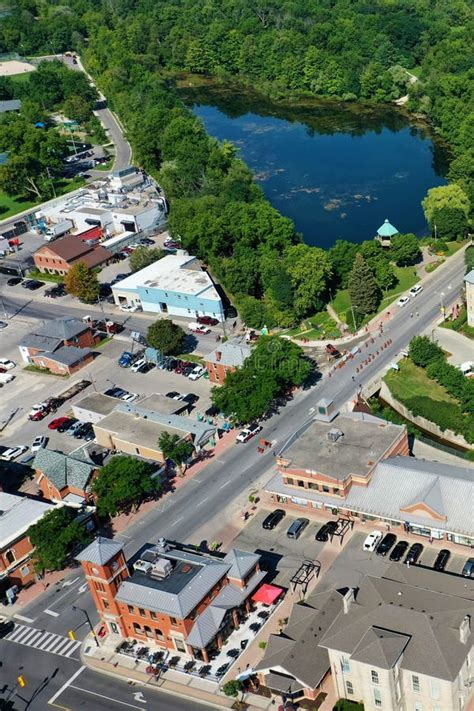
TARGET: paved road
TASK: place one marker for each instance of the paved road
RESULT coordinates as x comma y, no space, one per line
205,497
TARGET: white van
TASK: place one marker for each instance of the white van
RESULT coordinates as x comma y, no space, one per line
6,378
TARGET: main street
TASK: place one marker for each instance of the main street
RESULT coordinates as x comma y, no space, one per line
206,499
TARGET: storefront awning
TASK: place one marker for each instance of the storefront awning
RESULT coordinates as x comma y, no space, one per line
267,594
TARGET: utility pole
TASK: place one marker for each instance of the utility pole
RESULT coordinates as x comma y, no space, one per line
353,318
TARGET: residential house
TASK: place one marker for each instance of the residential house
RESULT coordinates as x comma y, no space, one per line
59,256
174,285
469,282
17,514
64,477
172,598
226,358
62,345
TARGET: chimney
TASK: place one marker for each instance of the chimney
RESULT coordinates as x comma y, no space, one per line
465,629
218,355
348,599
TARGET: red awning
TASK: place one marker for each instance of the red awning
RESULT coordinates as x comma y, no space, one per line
267,594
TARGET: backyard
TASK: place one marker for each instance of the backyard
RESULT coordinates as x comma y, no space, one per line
13,204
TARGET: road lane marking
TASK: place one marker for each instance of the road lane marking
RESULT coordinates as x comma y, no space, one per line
102,696
202,502
83,588
177,520
23,618
66,685
52,613
226,483
42,641
67,583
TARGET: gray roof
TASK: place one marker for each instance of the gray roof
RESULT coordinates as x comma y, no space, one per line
97,402
364,441
63,470
64,328
410,613
67,355
100,551
10,105
297,650
242,562
469,278
232,353
206,626
17,514
232,596
42,343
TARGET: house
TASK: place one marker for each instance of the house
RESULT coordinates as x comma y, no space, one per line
62,345
59,256
469,282
371,478
135,428
172,598
401,642
174,285
229,356
64,477
385,233
17,514
95,406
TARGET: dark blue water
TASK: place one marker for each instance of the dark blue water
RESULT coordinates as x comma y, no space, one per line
337,179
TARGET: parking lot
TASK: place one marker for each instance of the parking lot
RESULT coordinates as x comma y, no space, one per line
341,565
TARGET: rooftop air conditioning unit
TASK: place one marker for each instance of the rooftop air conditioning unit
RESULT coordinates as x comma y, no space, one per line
161,568
141,566
334,434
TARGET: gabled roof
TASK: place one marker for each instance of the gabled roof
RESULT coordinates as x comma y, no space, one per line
100,551
231,353
241,562
380,647
68,355
206,627
387,230
431,496
469,278
63,328
17,514
63,470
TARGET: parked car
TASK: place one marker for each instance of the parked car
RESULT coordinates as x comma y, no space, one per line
414,553
297,528
71,421
198,328
131,308
171,364
403,301
207,320
399,551
197,372
116,392
468,569
14,452
39,442
326,530
137,365
190,398
146,242
57,422
145,368
32,284
386,543
248,433
55,291
5,377
129,397
27,459
332,350
415,290
38,412
14,281
71,431
125,359
442,559
7,363
372,540
273,519
82,430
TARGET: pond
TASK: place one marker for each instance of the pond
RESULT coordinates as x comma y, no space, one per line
338,170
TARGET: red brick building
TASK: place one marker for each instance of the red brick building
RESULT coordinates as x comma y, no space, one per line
59,256
64,477
61,345
179,600
229,356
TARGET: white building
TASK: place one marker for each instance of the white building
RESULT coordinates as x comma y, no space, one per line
469,281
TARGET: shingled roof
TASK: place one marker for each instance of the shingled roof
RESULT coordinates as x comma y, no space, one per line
64,470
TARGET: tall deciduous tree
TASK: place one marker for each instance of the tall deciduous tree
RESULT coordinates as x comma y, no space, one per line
166,336
363,288
452,196
309,269
142,257
82,282
175,448
55,537
405,249
123,483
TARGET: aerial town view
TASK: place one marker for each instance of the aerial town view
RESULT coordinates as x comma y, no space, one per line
236,355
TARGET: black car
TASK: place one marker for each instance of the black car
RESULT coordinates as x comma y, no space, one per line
414,553
442,559
116,392
89,434
172,394
84,429
32,284
146,367
273,519
171,364
468,569
399,551
55,291
190,398
386,543
14,281
326,530
66,425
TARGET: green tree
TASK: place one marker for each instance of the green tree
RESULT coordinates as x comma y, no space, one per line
55,537
76,109
451,196
469,259
309,269
450,223
82,282
142,257
175,448
166,336
341,256
363,288
423,351
385,275
405,249
122,484
232,688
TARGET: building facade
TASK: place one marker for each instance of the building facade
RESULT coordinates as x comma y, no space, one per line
64,477
469,284
226,359
59,256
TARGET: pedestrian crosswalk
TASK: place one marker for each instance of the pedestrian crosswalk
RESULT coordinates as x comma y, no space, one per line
42,640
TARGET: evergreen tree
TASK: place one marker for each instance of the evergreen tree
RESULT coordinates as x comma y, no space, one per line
363,288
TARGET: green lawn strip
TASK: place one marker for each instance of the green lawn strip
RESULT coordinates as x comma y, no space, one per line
54,278
434,265
341,303
104,341
191,357
11,205
454,247
346,705
44,371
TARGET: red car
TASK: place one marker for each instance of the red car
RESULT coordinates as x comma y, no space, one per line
207,320
54,424
40,415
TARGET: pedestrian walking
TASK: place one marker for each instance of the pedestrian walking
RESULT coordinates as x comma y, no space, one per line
353,378
417,314
411,315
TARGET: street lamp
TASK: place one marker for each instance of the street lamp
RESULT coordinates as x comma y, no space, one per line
81,609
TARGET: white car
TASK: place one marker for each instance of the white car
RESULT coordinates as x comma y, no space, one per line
129,397
199,328
415,290
197,373
131,308
248,433
403,301
14,452
39,442
372,541
7,363
137,365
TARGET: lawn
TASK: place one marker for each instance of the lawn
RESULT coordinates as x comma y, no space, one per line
11,205
316,327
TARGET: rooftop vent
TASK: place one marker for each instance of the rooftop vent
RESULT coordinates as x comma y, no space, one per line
334,434
142,566
161,568
163,545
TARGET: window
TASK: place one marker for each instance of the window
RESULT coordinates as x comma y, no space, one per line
435,690
377,698
313,486
345,666
374,677
153,616
131,609
301,483
349,688
159,634
173,621
290,481
136,628
415,683
24,571
326,489
114,627
99,586
105,604
141,612
10,556
148,631
179,644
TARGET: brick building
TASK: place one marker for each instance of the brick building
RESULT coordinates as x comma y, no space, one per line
62,345
64,477
17,514
179,600
226,358
59,256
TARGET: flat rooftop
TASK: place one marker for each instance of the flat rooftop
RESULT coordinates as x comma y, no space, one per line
364,440
162,404
97,402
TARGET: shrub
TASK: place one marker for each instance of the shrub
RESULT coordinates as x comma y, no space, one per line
423,351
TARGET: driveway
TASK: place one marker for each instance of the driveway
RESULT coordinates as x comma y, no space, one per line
459,346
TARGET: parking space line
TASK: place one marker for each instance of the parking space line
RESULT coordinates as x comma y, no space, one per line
102,696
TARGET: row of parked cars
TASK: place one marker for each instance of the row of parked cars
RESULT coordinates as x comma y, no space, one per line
138,364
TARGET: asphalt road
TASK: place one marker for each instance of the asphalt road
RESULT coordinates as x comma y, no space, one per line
203,499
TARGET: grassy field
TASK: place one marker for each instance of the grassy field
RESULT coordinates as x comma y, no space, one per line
316,327
12,205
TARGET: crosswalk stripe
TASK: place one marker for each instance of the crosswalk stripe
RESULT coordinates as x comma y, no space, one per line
56,645
68,648
42,640
38,642
23,634
73,649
